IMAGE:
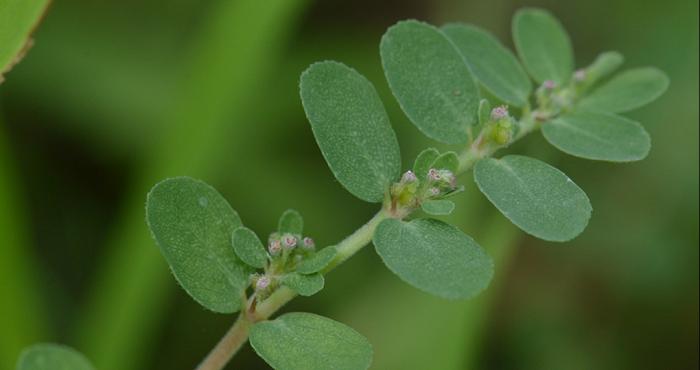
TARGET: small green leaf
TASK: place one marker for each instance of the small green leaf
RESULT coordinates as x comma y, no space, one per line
446,161
18,19
305,285
543,46
598,136
434,257
304,341
627,91
491,63
535,196
318,261
438,207
430,79
484,112
425,159
291,222
192,224
47,356
351,128
249,248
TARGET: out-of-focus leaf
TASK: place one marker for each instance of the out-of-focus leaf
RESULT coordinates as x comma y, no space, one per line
599,136
430,79
304,341
18,18
447,161
192,224
628,90
491,63
543,45
47,356
351,128
536,197
434,257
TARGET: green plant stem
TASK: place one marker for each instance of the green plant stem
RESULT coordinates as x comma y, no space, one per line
238,333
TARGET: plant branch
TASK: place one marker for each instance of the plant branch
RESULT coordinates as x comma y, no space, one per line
238,333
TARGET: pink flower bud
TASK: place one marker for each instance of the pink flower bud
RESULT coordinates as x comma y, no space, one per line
409,176
274,247
289,241
499,113
308,243
434,192
433,174
580,75
549,85
262,283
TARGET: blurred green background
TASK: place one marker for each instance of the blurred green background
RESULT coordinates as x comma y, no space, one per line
116,95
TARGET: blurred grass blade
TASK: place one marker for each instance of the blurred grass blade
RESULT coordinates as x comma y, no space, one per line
598,136
22,318
543,45
429,78
492,63
123,310
627,91
18,19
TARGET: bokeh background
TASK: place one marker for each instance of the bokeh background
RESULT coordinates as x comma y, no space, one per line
116,95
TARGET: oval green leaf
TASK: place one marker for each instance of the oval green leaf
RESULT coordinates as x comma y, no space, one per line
491,63
438,207
47,356
434,257
305,285
538,198
18,19
248,247
291,222
425,159
598,136
543,46
627,91
447,161
318,261
430,79
304,341
351,128
192,224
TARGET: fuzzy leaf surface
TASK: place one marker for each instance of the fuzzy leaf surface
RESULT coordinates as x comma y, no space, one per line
430,79
434,257
491,63
352,129
192,224
536,197
627,91
543,45
598,136
305,341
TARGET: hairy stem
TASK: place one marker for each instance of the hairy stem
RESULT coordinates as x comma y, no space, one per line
238,333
